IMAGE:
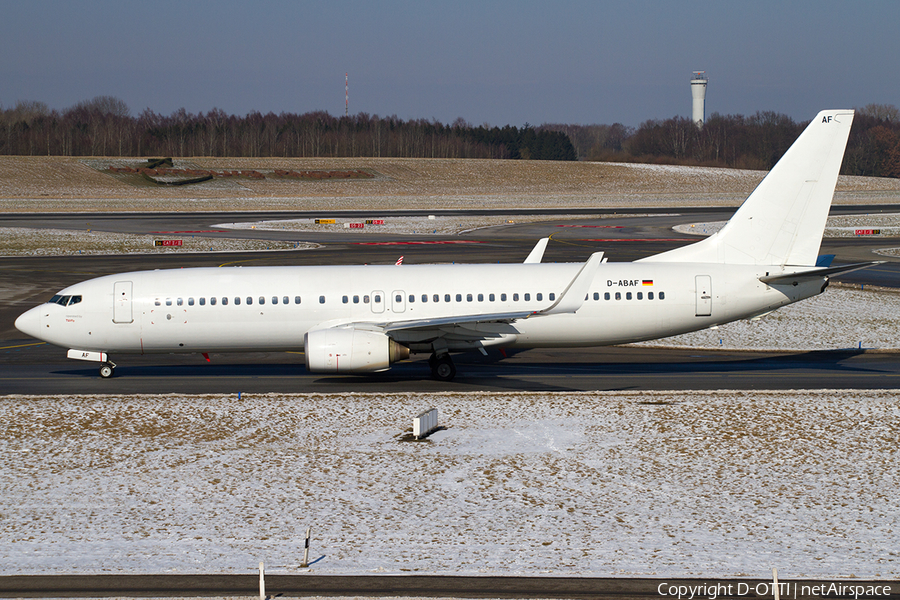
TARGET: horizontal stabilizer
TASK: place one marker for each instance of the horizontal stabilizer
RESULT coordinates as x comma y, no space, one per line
792,278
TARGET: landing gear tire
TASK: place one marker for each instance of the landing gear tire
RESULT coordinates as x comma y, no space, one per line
442,368
107,370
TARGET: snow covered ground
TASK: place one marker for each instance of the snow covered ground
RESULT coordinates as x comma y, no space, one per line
888,225
434,224
710,484
20,241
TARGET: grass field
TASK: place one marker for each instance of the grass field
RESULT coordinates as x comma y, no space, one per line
65,184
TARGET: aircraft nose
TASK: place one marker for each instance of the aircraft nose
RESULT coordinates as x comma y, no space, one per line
29,322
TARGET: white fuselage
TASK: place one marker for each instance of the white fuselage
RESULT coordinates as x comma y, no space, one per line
272,308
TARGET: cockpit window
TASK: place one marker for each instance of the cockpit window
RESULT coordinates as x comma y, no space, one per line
55,299
74,300
65,300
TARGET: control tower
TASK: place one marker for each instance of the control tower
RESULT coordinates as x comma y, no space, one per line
698,92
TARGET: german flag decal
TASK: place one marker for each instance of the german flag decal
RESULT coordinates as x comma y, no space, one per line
648,282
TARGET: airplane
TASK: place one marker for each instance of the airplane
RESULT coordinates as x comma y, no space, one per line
364,318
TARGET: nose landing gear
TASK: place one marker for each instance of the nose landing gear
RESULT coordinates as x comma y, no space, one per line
107,369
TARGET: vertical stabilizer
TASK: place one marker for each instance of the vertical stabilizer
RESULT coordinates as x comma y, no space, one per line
782,221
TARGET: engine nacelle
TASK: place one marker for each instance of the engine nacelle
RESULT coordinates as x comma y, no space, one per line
348,350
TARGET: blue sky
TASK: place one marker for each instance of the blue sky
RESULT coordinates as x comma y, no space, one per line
495,62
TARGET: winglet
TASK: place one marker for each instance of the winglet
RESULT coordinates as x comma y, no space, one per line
573,296
537,253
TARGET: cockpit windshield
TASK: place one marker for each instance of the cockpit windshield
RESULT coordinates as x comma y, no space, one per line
65,300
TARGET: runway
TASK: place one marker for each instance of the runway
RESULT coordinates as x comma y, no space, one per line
433,586
30,368
43,369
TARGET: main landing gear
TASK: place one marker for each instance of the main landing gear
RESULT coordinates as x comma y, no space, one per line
442,367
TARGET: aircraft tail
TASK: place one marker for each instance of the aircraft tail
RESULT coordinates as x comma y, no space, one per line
782,221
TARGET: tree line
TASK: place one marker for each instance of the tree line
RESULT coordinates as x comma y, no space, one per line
755,142
103,127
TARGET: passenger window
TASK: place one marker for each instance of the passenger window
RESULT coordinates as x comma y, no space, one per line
366,299
224,301
190,301
552,296
628,295
424,297
398,298
321,299
345,299
296,299
468,297
459,297
436,298
491,297
447,298
606,296
527,297
412,298
286,300
274,299
237,301
596,295
377,298
618,295
249,300
640,295
662,295
355,299
515,297
212,301
539,296
481,297
168,301
502,297
179,302
649,295
262,300
202,301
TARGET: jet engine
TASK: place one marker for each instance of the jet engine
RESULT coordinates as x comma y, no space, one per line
348,350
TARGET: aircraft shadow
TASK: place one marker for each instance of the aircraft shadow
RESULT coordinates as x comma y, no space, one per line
523,371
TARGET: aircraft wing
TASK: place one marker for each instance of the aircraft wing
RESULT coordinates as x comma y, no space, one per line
436,323
570,300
